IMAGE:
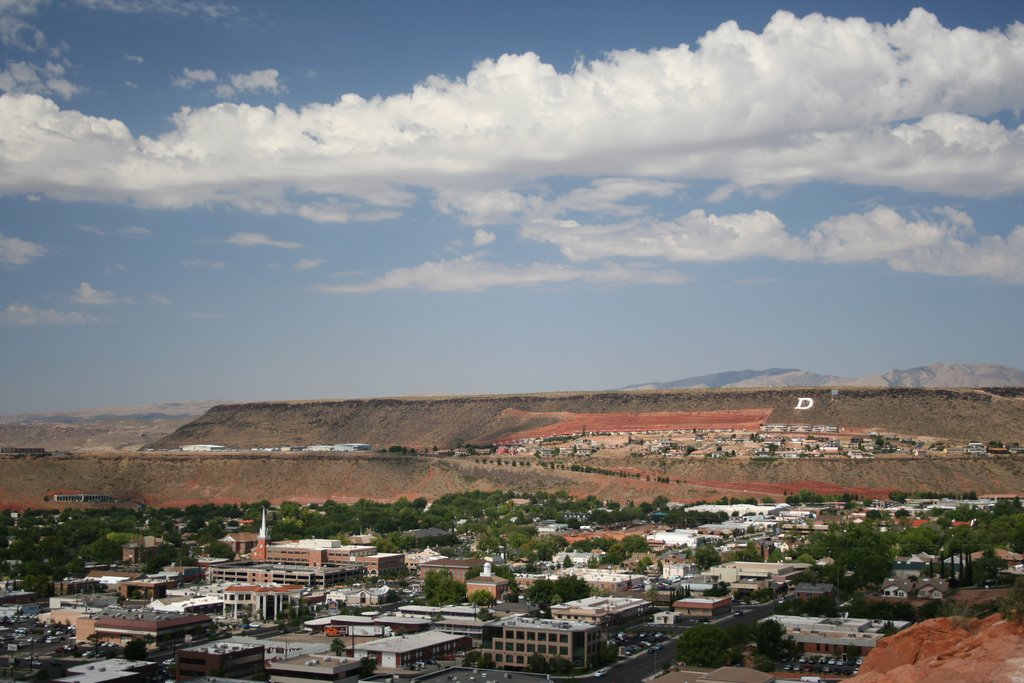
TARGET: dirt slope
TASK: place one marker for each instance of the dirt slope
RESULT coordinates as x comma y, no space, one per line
173,479
981,414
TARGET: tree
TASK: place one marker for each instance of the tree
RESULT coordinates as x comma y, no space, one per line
706,556
1012,606
338,647
135,650
705,645
439,588
481,597
771,639
367,665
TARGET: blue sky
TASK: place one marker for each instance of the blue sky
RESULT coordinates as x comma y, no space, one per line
205,200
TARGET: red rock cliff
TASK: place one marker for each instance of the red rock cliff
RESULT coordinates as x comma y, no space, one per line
944,650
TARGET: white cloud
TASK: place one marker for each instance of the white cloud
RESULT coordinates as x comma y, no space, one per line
89,295
255,81
131,84
472,274
307,264
162,300
92,230
15,31
137,59
23,315
136,231
942,243
809,98
190,77
255,239
18,252
481,237
695,236
24,77
208,265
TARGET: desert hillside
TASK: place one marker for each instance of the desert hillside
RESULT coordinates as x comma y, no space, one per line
175,478
966,414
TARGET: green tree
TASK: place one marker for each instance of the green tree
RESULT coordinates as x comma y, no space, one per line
705,645
367,665
706,556
135,650
439,588
482,598
771,639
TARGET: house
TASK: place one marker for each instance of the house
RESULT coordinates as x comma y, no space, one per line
915,589
810,591
911,566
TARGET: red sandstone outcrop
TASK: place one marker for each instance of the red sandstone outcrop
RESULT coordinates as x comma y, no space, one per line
944,650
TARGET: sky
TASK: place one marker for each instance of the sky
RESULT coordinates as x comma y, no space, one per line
204,200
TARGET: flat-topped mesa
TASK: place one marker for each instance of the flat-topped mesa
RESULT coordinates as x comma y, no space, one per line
964,414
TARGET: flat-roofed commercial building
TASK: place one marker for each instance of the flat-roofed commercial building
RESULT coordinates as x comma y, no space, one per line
318,668
834,635
706,608
319,577
221,658
112,671
121,626
401,651
512,641
601,610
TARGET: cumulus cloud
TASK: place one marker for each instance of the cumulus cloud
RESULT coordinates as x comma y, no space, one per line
24,315
255,81
812,98
89,295
695,236
307,264
481,237
137,59
474,274
18,252
941,243
190,77
49,79
255,239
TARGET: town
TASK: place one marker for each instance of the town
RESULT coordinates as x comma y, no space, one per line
509,585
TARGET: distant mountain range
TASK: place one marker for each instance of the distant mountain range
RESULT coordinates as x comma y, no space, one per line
934,376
